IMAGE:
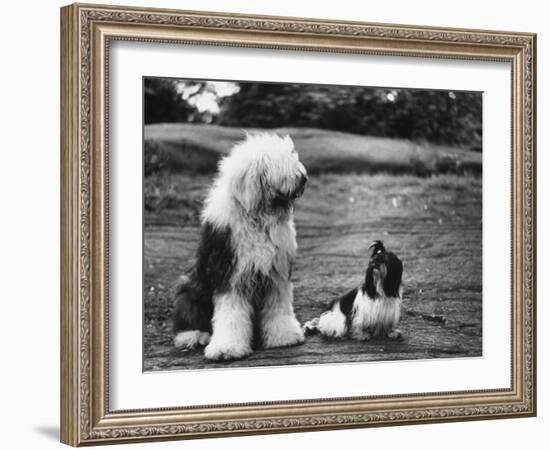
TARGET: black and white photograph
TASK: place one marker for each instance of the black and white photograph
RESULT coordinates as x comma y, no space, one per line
288,224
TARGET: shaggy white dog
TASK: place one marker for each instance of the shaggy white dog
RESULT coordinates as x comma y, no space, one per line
239,295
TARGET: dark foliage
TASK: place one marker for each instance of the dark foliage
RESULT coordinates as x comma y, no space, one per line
440,117
154,160
163,102
444,117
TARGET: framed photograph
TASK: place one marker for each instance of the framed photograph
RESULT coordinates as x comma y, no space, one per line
276,224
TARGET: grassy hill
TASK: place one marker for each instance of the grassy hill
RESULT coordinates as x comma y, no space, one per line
197,148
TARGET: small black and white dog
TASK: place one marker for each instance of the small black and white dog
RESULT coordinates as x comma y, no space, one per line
373,309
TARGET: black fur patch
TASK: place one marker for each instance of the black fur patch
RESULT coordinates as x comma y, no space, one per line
346,302
394,273
281,201
255,287
346,305
369,286
392,282
211,274
376,247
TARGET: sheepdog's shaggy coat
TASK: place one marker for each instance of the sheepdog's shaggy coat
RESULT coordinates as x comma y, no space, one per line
371,310
239,296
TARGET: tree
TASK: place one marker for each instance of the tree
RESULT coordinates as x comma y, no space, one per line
164,103
441,117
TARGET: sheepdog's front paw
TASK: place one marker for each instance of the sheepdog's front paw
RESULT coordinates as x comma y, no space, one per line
283,331
360,335
225,351
395,335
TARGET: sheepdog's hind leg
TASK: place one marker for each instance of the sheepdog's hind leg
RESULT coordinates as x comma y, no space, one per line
280,328
191,318
232,328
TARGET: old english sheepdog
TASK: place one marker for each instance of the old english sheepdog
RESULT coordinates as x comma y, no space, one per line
373,309
238,296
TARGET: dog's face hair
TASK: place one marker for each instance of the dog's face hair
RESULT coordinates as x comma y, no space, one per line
384,273
267,173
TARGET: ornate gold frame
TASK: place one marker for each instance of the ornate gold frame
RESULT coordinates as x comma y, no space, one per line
86,31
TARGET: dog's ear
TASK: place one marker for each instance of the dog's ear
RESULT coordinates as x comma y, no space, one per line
247,189
392,282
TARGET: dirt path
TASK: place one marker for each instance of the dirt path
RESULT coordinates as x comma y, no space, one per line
433,224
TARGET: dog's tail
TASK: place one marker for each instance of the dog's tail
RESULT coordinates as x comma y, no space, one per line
180,284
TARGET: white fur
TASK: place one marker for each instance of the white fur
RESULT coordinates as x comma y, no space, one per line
332,323
368,313
232,328
264,241
191,339
279,325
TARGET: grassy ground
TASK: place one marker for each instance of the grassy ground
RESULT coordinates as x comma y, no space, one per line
433,223
196,148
